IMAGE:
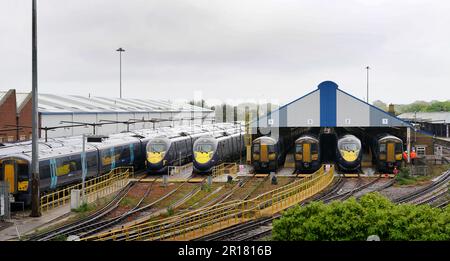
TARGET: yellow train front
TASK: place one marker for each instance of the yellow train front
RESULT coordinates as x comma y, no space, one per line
267,154
211,151
307,154
349,153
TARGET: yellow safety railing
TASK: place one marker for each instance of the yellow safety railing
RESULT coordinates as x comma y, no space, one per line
225,168
179,169
203,221
100,186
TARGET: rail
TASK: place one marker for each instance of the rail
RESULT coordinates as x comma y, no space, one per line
203,221
97,187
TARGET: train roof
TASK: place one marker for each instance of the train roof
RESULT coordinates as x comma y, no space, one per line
307,137
389,137
266,139
73,144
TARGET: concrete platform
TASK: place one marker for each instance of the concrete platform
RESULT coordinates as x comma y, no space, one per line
26,225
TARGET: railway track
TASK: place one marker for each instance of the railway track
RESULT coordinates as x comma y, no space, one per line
84,222
443,204
262,227
227,195
95,222
427,193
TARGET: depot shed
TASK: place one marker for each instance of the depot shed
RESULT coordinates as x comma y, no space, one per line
329,106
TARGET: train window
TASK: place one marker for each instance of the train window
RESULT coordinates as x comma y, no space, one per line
157,147
22,171
125,154
44,170
299,148
204,147
398,147
189,144
349,146
383,148
256,148
91,159
271,148
314,147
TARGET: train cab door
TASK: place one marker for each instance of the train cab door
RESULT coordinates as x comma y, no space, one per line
9,175
264,154
306,152
390,152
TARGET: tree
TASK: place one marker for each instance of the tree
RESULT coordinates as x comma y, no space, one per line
374,214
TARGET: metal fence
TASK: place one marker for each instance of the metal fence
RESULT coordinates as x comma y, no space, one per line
202,221
5,210
97,187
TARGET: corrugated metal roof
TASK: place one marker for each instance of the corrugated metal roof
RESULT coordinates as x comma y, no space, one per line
434,117
52,103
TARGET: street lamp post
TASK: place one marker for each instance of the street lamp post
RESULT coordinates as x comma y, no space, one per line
120,50
35,208
83,170
367,68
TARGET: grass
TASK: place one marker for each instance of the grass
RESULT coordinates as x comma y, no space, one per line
128,202
84,208
404,177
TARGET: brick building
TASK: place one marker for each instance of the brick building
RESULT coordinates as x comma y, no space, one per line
15,111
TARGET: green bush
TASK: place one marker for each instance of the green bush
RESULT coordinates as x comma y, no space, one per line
404,177
353,220
83,208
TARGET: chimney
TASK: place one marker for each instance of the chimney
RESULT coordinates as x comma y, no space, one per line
391,109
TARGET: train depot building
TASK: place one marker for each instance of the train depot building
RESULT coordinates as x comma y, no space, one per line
69,115
329,114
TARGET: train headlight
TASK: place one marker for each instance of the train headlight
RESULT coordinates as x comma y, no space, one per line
272,156
398,156
298,156
255,156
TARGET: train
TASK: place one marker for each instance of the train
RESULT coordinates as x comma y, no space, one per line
387,152
307,154
349,153
60,159
269,153
212,150
176,150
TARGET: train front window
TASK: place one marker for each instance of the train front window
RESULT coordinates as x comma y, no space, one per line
204,148
256,148
157,147
22,171
314,148
383,148
398,148
349,146
299,148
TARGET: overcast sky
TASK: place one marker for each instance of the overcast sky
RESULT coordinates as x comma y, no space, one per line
230,49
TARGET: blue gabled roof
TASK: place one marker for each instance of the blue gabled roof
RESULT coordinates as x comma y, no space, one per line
328,109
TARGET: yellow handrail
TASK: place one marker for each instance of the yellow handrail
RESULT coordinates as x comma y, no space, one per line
206,220
62,196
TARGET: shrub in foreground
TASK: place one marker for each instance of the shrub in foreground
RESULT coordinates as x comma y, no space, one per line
374,214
